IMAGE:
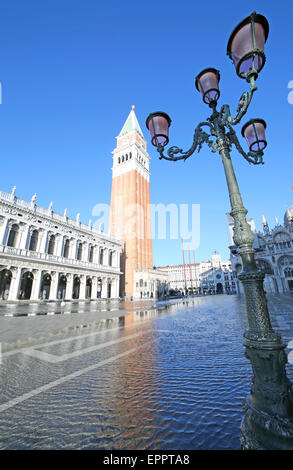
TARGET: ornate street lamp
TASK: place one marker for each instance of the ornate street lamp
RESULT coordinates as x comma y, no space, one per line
254,133
158,124
246,45
207,82
268,419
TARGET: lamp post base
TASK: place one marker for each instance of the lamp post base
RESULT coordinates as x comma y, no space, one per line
268,410
263,431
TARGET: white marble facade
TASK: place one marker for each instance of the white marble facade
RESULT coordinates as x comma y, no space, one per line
150,283
273,254
48,256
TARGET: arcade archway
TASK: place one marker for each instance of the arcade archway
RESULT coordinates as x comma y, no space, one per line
26,285
5,281
46,286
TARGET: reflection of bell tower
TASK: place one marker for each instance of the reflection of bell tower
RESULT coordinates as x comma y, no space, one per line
130,217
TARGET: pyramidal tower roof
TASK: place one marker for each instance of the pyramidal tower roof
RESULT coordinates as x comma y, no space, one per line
131,124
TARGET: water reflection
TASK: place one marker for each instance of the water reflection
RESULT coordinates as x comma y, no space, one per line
150,376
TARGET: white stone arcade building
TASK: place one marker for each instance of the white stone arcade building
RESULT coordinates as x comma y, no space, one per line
49,256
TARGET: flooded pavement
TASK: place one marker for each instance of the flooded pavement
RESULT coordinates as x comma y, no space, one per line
128,375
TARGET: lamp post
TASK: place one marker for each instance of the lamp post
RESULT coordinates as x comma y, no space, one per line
268,418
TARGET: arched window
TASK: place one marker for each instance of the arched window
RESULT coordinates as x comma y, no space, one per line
101,256
282,240
13,235
141,283
34,241
130,155
51,245
66,248
26,285
122,158
264,266
110,258
126,158
79,251
285,261
119,160
288,272
281,237
91,254
5,281
61,289
76,287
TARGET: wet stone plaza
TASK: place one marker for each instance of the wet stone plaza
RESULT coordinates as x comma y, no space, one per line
128,375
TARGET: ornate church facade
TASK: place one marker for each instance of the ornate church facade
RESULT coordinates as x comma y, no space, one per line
49,256
273,254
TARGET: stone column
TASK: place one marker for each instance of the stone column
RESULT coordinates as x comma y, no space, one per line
113,294
4,231
58,245
96,255
35,294
73,249
15,283
42,244
104,293
82,287
69,287
94,288
115,289
279,281
23,236
54,285
85,251
118,286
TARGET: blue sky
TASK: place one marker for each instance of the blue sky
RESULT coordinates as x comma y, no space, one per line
70,71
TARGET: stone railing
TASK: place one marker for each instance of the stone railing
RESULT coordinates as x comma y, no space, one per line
22,202
35,255
5,196
54,215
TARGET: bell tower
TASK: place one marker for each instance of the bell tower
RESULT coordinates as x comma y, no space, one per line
130,215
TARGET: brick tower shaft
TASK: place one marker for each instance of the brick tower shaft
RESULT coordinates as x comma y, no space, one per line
130,215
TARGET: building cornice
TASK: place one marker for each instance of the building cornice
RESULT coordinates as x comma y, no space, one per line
53,221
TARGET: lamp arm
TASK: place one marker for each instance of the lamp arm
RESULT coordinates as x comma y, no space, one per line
199,138
251,157
243,104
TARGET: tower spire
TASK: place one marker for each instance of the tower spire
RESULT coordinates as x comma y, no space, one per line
265,226
131,124
289,214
